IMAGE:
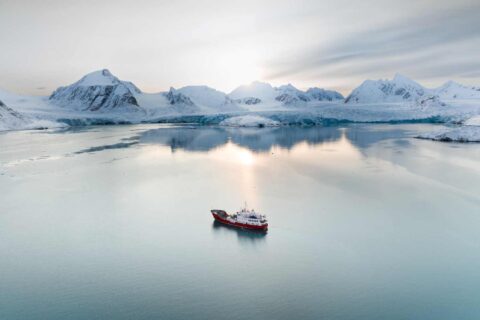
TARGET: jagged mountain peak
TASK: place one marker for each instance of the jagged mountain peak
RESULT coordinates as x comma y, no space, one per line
99,77
104,77
98,91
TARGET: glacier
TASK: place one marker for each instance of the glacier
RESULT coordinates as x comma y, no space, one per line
249,121
13,120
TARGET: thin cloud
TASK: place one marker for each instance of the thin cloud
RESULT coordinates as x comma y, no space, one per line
405,41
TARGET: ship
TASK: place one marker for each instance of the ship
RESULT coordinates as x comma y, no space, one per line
244,219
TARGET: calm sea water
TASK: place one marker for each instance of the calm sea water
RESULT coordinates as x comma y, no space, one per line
113,222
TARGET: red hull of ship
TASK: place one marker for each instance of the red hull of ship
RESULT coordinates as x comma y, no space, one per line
239,225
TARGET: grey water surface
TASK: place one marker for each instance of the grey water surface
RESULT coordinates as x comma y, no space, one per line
113,222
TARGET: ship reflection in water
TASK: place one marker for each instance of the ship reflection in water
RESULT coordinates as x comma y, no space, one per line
244,236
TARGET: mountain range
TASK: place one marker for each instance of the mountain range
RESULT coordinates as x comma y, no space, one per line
101,91
403,89
100,94
260,92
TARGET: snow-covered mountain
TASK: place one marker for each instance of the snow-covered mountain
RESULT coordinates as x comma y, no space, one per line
453,90
406,91
180,103
256,90
248,101
102,92
171,102
400,89
100,97
10,119
288,95
429,100
319,94
209,99
98,91
175,97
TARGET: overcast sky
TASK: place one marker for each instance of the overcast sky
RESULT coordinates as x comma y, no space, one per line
158,44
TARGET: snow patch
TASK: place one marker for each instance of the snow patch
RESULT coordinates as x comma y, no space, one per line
473,121
460,134
469,132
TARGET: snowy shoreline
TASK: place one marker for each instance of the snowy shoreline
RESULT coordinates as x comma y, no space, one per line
464,134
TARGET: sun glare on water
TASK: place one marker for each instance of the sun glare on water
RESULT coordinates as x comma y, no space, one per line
234,155
246,158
